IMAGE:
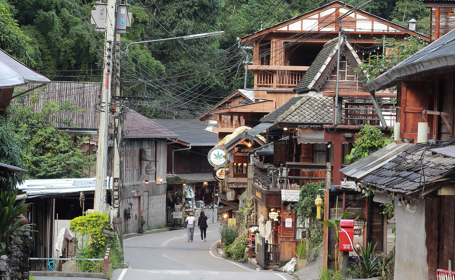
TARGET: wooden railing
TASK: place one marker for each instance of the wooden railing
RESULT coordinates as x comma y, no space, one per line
356,113
278,78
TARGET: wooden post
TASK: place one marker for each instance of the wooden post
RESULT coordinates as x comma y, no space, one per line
326,213
437,23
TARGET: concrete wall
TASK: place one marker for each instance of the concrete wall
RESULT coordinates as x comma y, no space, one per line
411,251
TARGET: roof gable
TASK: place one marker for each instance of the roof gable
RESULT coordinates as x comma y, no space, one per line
322,20
325,63
245,95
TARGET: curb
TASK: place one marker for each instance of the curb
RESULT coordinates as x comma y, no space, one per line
67,274
130,235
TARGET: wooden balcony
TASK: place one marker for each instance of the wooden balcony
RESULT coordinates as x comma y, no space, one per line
277,79
359,114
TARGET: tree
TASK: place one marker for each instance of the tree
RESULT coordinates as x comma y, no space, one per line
48,152
12,39
10,153
371,139
397,52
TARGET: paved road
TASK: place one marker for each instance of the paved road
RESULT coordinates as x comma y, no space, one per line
168,255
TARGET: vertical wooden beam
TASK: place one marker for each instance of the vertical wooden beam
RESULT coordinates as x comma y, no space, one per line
337,161
437,23
326,213
402,109
435,90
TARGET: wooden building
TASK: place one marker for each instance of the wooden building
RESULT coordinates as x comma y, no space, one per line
283,53
425,84
188,170
442,17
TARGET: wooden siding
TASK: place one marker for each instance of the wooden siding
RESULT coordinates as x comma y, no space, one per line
161,158
83,94
432,224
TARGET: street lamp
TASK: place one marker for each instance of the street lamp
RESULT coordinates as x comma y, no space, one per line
187,37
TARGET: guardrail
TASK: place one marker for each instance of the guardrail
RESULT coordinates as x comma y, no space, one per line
106,260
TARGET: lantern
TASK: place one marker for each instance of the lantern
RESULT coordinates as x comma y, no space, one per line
318,203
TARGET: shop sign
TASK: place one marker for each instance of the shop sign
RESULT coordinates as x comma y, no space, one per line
357,231
177,215
258,194
231,222
288,222
237,185
247,150
217,157
220,174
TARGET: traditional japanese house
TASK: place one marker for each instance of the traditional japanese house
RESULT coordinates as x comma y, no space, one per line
425,83
187,168
283,53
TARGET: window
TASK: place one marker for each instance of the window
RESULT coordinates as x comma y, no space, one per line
451,11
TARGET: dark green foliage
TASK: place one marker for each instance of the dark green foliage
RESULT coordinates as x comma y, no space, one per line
12,39
228,234
48,152
371,139
308,193
11,153
399,51
9,223
368,263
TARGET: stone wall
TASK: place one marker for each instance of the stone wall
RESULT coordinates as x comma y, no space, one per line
15,264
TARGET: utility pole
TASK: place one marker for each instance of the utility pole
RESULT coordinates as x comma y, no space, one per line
103,129
118,125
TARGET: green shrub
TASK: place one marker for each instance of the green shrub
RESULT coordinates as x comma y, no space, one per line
9,223
160,227
236,250
301,250
91,226
328,274
116,252
228,235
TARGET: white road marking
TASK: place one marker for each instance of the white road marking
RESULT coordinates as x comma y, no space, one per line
182,272
122,274
166,256
281,276
210,250
165,243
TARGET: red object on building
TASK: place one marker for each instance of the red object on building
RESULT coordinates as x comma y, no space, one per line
346,235
279,229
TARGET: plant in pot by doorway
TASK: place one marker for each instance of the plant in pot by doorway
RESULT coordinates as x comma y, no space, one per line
141,229
300,254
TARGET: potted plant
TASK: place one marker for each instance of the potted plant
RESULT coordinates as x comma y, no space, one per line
300,254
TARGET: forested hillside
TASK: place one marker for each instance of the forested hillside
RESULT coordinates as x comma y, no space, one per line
184,77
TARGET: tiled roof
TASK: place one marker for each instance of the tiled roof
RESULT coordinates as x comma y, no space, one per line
310,110
438,56
138,126
272,116
190,131
411,170
321,61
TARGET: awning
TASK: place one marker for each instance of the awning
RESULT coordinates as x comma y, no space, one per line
258,129
13,73
376,160
190,178
266,150
310,136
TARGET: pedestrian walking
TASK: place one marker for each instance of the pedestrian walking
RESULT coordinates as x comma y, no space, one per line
202,223
190,226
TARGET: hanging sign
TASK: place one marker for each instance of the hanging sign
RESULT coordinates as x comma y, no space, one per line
217,157
220,174
237,185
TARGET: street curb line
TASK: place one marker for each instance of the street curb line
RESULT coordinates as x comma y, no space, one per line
67,274
130,235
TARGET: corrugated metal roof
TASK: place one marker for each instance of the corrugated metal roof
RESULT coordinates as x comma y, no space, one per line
13,168
438,55
258,129
412,169
374,161
138,126
47,187
190,131
447,151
